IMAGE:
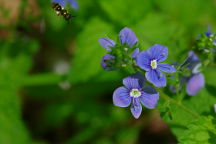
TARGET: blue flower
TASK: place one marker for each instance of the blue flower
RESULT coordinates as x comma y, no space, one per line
107,61
150,60
126,36
73,3
107,43
134,93
135,53
209,33
195,81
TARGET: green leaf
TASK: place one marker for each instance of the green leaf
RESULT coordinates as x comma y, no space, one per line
189,13
126,12
200,131
14,67
86,61
157,28
12,129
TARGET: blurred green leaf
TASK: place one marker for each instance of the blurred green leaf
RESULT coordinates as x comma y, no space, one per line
200,131
13,69
12,129
126,12
189,12
86,61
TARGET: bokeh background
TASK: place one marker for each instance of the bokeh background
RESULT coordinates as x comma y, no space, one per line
52,87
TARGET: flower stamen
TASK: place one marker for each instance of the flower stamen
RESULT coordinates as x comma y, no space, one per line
135,93
154,64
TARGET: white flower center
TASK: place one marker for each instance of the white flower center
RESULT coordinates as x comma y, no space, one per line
135,93
154,64
126,49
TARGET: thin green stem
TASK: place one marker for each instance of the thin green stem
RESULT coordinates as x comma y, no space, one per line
174,102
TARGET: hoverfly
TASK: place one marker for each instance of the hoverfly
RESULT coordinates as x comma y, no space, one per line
61,11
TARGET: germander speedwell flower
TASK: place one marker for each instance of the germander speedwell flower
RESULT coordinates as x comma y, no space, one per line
192,76
195,81
150,61
134,93
127,41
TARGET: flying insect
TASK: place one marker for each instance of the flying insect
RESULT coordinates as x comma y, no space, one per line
61,11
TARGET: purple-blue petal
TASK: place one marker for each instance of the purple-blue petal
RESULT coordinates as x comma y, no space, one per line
197,69
131,82
121,97
214,42
149,100
195,83
190,61
107,43
141,78
136,108
156,77
215,108
143,60
158,52
61,2
193,56
166,68
135,53
105,60
149,89
74,4
126,35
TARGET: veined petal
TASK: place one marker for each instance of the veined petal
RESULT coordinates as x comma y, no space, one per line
143,60
61,2
195,83
131,82
149,89
73,4
136,108
121,97
149,100
126,35
135,53
107,43
156,77
158,52
166,68
141,78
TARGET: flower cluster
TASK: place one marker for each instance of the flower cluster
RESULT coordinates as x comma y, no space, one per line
127,44
206,41
149,70
148,65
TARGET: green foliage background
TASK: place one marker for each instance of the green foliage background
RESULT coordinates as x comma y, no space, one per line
35,109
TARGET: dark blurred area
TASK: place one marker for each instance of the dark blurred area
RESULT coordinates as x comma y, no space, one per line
52,88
